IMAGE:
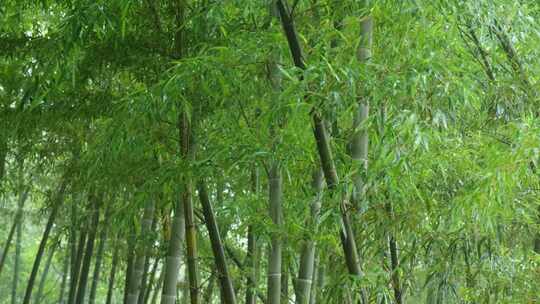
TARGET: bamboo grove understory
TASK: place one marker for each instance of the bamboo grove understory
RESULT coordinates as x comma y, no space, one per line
272,151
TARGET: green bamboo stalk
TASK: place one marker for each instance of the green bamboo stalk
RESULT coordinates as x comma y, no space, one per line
274,258
57,202
16,222
250,262
114,265
97,272
18,235
152,278
251,252
3,155
74,258
396,284
187,145
158,287
17,262
209,291
44,274
275,194
307,258
173,258
144,280
320,282
191,246
318,268
65,269
325,153
284,273
536,241
227,289
131,242
76,267
89,250
359,140
99,257
141,252
146,275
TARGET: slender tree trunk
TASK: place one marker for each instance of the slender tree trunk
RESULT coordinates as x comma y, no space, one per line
325,154
174,250
3,154
251,280
227,289
76,267
151,280
65,269
250,263
16,222
158,287
99,257
275,193
144,282
75,253
173,258
318,281
315,282
141,253
129,262
536,244
285,277
359,141
307,258
97,267
23,194
274,258
223,228
209,292
256,272
191,246
44,274
396,284
187,152
17,262
48,227
183,292
348,242
89,251
112,275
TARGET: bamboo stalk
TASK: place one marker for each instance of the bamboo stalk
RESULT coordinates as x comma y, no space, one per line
48,227
141,253
304,281
275,256
112,275
89,251
227,289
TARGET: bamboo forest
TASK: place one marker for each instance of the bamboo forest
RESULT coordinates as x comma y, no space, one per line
269,151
